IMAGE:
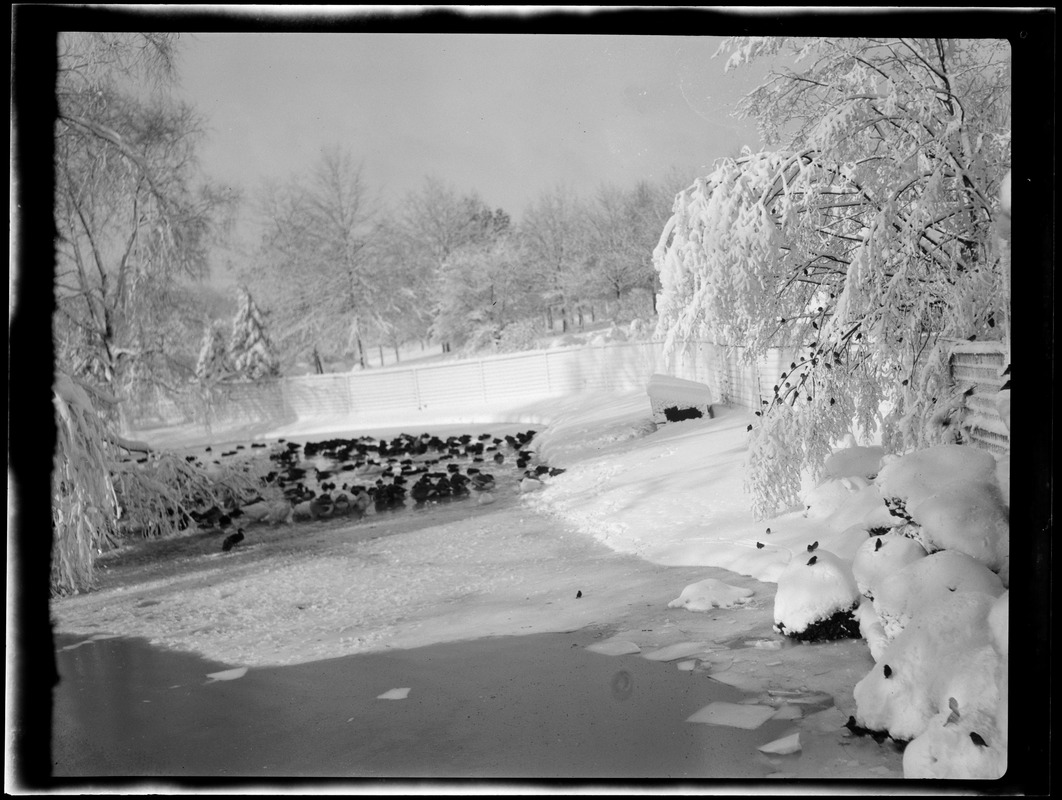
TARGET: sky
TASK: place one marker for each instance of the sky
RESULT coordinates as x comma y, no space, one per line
509,116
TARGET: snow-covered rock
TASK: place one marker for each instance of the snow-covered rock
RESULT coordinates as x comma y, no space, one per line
917,476
711,593
814,588
899,596
940,654
881,556
832,493
970,518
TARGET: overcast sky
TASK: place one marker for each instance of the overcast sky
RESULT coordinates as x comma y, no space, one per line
506,115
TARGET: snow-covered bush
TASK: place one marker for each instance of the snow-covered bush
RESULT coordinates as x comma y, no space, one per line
854,461
970,518
881,556
899,596
518,336
940,654
816,597
968,738
916,476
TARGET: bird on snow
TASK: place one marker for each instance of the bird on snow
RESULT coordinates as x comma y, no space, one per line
812,560
232,540
812,547
759,545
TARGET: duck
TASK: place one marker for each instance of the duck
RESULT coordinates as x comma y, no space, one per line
232,540
341,505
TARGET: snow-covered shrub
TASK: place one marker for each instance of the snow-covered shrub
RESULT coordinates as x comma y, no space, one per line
250,349
830,495
519,336
815,598
916,476
863,462
940,654
970,518
881,556
900,595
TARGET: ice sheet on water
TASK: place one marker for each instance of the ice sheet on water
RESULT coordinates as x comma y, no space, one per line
788,711
394,694
733,715
227,675
614,647
784,746
739,679
676,651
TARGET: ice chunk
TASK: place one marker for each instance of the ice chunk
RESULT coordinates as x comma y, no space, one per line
711,593
784,746
788,712
614,647
676,651
394,694
227,675
734,715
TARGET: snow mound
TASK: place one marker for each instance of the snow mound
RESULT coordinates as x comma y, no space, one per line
1003,478
862,462
881,556
917,476
898,597
826,498
942,653
970,518
813,589
710,593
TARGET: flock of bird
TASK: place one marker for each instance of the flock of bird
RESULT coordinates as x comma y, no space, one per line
377,474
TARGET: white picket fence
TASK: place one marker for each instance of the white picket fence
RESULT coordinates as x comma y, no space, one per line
477,384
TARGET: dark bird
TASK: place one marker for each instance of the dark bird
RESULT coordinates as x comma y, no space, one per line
812,547
953,704
877,545
977,739
887,670
578,595
759,545
812,560
768,531
498,458
232,540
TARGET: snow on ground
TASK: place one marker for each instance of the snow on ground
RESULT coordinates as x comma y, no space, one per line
668,495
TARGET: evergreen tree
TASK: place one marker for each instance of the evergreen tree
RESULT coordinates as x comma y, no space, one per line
250,348
213,363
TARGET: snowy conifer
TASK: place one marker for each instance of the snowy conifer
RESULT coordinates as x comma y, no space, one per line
213,362
250,348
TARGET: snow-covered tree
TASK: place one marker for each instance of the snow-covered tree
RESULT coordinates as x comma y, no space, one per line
133,218
865,240
317,263
213,362
250,348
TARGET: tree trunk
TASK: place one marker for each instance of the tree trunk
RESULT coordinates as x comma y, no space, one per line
380,348
361,353
318,367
